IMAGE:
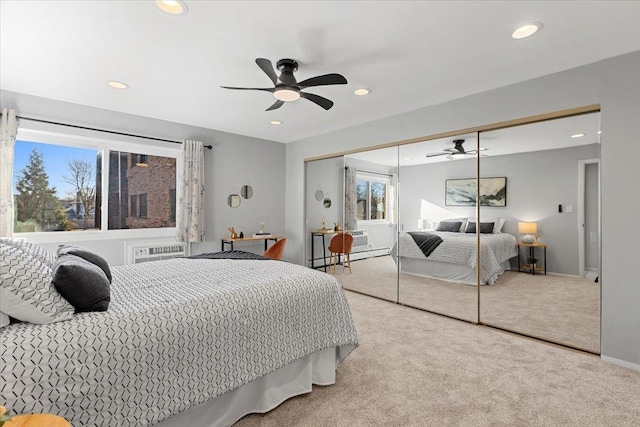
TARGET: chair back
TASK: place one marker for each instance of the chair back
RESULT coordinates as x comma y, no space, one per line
276,250
341,243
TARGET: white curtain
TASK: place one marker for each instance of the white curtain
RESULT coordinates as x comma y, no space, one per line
8,130
190,212
350,199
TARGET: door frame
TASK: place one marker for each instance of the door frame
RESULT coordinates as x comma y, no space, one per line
582,165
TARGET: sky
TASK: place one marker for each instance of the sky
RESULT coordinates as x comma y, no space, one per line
56,159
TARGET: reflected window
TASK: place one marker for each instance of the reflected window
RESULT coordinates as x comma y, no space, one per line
372,198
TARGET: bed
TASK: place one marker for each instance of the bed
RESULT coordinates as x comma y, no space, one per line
185,342
454,259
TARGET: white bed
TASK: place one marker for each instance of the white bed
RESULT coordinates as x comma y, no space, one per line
455,258
197,342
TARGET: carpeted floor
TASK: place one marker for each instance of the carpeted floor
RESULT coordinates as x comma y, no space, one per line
561,309
419,369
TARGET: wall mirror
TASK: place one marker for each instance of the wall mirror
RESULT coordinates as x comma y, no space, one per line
246,191
436,250
234,200
552,169
327,201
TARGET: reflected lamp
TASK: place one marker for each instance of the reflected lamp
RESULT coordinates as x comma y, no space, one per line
529,229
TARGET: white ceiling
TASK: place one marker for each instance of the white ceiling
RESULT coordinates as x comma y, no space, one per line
411,54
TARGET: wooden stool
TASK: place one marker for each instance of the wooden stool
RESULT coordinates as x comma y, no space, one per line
37,420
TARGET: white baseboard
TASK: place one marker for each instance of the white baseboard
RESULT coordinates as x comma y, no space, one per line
371,253
623,363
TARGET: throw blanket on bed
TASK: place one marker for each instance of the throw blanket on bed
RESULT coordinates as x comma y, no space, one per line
460,248
427,242
177,333
230,255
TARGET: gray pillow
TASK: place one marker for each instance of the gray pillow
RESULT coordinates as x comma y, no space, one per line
449,226
87,255
485,227
82,283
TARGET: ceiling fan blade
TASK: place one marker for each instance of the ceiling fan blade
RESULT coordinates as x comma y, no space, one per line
436,154
268,69
325,80
275,105
266,89
323,102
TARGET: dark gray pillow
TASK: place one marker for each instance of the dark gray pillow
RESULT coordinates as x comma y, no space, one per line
449,226
82,283
87,255
485,227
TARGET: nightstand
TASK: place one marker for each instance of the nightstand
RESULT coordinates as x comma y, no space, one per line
531,267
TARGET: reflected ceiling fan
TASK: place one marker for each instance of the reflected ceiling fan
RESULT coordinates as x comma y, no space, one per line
457,151
286,88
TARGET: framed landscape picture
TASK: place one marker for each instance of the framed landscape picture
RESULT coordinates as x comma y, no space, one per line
462,192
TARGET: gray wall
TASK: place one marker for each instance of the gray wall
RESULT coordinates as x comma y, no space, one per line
537,182
233,161
612,83
591,240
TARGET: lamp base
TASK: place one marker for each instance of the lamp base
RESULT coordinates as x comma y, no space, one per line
528,238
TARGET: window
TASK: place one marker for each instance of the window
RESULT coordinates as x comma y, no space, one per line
372,197
65,182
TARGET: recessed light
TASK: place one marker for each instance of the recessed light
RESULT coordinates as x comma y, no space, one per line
599,132
578,135
527,30
173,7
117,85
362,91
275,122
407,158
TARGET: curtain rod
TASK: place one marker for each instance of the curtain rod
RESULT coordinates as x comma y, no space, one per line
103,130
375,173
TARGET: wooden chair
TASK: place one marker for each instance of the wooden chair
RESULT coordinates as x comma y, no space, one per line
340,244
276,250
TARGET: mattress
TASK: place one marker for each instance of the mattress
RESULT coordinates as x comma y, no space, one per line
177,334
460,249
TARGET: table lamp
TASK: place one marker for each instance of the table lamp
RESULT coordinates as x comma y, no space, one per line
529,229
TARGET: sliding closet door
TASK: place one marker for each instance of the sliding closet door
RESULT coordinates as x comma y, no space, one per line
370,217
436,257
539,196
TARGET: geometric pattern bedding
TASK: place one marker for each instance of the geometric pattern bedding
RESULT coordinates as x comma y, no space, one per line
177,333
460,248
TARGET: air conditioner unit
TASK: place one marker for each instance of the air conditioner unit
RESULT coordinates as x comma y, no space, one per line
140,251
360,240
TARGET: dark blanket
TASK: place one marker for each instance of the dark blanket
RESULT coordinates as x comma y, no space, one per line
426,242
229,255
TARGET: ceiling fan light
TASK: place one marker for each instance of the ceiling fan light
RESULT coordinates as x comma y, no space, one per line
286,95
172,7
457,156
527,30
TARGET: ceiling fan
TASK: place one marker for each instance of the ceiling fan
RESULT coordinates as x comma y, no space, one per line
286,88
457,151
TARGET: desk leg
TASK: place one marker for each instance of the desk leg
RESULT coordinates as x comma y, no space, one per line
313,240
545,260
324,254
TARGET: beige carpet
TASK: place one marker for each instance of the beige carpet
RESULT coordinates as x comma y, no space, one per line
557,308
419,369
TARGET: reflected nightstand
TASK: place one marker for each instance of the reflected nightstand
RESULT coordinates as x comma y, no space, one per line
531,267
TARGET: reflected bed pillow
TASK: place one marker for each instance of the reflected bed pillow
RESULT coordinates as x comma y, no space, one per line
485,227
462,221
498,223
453,226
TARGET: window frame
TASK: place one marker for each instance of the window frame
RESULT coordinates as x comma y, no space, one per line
81,138
379,178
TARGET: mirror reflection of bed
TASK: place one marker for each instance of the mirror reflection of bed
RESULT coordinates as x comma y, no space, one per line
542,167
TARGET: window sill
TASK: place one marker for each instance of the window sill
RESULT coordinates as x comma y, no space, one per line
83,236
373,222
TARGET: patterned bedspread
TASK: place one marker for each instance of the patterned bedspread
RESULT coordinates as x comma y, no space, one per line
460,248
177,333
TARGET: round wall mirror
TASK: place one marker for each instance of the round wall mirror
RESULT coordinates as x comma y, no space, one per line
233,200
246,192
327,202
319,195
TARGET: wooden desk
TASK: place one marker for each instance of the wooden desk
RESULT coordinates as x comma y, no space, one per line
530,267
229,241
321,233
37,420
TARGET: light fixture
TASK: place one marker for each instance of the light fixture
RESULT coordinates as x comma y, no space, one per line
407,158
599,132
117,85
275,122
362,92
527,30
529,229
173,7
578,135
457,156
287,94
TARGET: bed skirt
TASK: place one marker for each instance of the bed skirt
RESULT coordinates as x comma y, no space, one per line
446,271
265,393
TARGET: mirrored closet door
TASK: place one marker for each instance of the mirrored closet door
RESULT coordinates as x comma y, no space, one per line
436,250
539,208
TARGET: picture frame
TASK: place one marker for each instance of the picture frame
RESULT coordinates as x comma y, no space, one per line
462,192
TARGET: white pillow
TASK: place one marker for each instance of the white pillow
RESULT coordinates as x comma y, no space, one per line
26,290
498,223
463,226
35,251
4,320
